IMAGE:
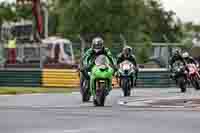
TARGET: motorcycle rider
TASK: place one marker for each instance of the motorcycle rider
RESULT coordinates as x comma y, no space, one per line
127,54
185,58
177,56
96,49
189,59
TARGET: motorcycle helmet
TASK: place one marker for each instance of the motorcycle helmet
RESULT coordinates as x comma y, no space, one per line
177,52
127,51
185,55
97,44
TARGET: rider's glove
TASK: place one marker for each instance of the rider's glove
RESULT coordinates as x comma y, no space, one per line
114,68
137,69
170,68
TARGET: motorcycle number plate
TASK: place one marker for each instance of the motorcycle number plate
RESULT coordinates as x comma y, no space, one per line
126,66
101,81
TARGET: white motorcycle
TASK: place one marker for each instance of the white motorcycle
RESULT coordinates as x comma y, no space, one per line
127,76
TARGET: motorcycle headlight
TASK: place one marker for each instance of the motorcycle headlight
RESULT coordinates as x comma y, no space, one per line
89,73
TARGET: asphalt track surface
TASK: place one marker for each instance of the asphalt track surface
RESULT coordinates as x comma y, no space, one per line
64,113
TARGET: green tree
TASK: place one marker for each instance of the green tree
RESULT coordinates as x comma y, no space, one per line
24,12
7,12
137,20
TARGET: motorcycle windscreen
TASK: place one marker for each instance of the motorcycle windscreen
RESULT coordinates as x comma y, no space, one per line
101,60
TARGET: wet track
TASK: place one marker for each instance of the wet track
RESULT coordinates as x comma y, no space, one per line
64,113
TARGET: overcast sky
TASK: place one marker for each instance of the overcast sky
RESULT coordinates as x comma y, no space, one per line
187,10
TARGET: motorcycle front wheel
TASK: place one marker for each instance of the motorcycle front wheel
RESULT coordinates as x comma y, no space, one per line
182,84
85,91
126,87
195,83
100,96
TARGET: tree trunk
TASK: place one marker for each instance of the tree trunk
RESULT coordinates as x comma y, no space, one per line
108,40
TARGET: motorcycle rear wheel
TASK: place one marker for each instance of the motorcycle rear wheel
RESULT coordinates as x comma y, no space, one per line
196,84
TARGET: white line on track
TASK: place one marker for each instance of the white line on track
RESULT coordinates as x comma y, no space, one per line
72,131
79,130
75,93
38,94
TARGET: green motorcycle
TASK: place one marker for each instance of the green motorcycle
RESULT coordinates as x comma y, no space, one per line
101,80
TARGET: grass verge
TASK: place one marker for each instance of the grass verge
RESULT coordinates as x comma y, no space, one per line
31,90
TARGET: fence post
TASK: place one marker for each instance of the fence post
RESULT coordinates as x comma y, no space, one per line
82,45
2,58
123,40
41,60
46,20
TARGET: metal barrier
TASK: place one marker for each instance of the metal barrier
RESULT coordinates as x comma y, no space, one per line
20,78
147,78
69,78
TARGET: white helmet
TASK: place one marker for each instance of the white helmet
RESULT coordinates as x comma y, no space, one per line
185,55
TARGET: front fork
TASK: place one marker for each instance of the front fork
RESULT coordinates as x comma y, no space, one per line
132,79
93,86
